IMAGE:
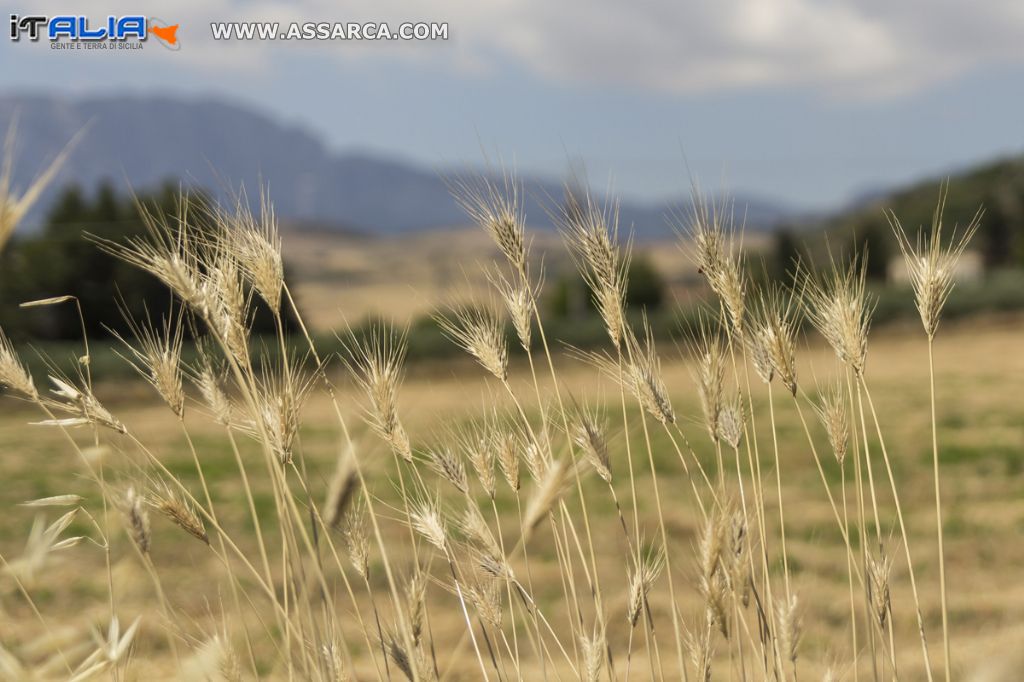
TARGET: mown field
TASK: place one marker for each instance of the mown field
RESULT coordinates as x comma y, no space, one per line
981,432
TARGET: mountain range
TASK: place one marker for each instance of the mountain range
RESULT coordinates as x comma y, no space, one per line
140,141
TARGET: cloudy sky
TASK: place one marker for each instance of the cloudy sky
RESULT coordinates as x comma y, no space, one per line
805,101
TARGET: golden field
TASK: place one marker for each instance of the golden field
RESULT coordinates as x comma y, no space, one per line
980,415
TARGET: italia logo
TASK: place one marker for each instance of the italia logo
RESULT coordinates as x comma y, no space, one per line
77,28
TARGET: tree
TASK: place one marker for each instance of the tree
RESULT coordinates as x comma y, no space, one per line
62,261
875,243
645,288
786,254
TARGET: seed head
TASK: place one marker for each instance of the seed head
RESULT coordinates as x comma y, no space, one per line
717,254
646,380
592,233
282,394
549,492
209,380
180,512
931,265
13,208
508,459
789,628
773,336
499,212
878,571
589,438
640,583
426,520
82,406
254,242
839,306
481,334
709,355
416,598
376,362
731,421
156,356
519,298
134,509
343,487
831,409
356,540
13,374
593,647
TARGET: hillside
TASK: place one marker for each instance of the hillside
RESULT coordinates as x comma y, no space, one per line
996,187
219,146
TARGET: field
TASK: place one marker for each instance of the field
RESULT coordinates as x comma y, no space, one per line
980,417
753,497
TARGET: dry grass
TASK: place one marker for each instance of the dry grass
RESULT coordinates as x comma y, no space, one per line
656,516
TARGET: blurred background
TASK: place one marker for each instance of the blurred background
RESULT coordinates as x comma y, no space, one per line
813,117
808,120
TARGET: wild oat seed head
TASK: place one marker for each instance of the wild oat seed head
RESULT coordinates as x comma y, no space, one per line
592,233
376,361
549,491
878,572
416,601
13,374
156,356
134,509
481,334
831,409
645,374
718,255
509,447
840,308
640,582
255,244
731,421
449,466
519,298
180,512
356,541
282,393
42,542
700,650
789,629
593,647
81,404
343,486
773,332
589,437
479,443
210,382
709,354
499,212
13,208
932,266
426,520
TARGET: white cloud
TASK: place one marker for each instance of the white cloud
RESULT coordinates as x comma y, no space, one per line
846,48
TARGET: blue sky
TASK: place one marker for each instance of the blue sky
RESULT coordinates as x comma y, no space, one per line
805,101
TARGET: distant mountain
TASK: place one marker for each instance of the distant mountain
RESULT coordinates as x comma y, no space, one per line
220,146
